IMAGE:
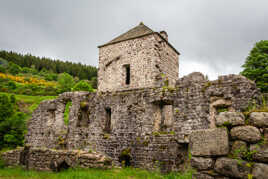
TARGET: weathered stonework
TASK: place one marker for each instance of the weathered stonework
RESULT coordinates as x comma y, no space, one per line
153,124
56,160
149,56
244,160
146,123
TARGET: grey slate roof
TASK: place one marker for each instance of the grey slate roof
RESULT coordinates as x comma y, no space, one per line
138,31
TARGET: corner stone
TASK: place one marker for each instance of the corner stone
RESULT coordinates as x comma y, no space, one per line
246,133
232,168
209,142
230,118
260,171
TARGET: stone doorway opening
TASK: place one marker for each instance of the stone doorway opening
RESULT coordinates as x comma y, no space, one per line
125,158
59,166
63,166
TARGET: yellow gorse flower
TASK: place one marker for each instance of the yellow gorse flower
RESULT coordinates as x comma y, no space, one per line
26,80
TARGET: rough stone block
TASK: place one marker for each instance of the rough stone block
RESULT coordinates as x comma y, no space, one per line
260,171
200,175
246,133
209,142
201,163
230,118
232,168
239,148
260,152
259,119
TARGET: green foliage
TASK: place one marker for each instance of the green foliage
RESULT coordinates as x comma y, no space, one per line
12,123
94,82
6,108
2,163
66,112
2,69
244,153
82,86
128,172
29,70
256,65
3,62
66,81
13,68
221,109
86,72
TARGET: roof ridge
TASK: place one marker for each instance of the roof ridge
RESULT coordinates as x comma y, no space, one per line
137,31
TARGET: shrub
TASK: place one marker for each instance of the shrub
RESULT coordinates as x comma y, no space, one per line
2,163
51,77
11,85
6,107
29,70
82,86
12,129
14,69
12,123
2,69
65,81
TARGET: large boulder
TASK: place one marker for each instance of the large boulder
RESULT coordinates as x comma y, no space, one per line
260,152
259,119
209,142
232,168
230,118
201,163
246,133
260,171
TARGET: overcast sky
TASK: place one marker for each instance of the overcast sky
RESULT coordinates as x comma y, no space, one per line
213,36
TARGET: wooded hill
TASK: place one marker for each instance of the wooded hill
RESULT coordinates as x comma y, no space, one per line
56,66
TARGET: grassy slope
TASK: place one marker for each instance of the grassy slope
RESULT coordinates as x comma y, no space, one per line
126,173
30,103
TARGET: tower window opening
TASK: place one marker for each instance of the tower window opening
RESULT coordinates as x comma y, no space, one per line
107,127
127,67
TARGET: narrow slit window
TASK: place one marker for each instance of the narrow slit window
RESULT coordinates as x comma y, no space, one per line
107,127
127,67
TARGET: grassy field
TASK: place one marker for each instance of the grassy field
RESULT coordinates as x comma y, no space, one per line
126,173
29,103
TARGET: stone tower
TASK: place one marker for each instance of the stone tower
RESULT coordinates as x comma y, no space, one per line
139,58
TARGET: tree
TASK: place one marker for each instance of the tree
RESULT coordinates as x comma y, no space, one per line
66,81
82,86
256,65
14,69
12,123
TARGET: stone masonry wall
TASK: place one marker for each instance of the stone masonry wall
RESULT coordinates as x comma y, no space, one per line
56,160
148,57
141,127
167,62
236,148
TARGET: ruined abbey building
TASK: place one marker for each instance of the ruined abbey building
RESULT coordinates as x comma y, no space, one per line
141,115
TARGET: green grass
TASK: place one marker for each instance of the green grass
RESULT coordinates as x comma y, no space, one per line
66,112
126,173
30,102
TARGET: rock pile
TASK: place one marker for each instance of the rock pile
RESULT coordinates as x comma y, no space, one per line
237,148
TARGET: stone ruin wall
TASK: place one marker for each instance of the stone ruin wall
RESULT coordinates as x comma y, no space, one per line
236,148
149,58
151,125
167,62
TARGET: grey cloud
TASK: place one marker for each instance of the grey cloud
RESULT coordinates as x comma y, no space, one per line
218,35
